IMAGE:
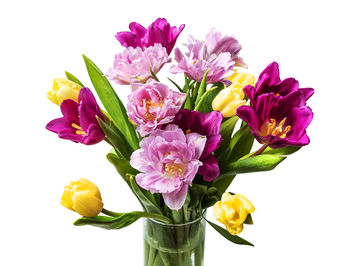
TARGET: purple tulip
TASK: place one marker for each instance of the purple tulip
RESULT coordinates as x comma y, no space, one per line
269,82
278,115
79,123
208,125
168,161
159,31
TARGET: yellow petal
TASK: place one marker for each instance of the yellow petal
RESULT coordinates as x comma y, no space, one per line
82,196
86,204
246,203
243,78
227,198
228,100
234,230
218,212
63,89
66,199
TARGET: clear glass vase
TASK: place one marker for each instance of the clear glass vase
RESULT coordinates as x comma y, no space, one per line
174,244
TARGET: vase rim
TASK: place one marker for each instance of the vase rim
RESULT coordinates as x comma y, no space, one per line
179,225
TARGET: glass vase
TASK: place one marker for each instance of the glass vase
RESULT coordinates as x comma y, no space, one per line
174,244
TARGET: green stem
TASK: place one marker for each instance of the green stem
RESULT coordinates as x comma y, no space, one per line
195,91
110,213
263,147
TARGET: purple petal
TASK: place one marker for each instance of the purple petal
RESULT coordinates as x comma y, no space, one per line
272,73
94,135
69,109
210,168
57,125
299,118
249,115
308,92
213,142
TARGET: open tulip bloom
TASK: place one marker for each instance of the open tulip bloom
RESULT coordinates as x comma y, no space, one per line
179,147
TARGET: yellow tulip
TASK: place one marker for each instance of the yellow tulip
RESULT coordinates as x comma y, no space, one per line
83,197
63,89
242,78
232,211
229,99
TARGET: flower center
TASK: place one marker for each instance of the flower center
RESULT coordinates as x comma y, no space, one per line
173,169
272,128
148,105
79,130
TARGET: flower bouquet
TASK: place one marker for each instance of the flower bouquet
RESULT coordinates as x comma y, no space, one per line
179,147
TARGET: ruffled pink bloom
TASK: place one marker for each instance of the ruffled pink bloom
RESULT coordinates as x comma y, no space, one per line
216,44
168,161
153,104
216,53
159,31
133,65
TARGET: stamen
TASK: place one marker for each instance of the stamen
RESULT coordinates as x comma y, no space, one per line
279,130
195,61
80,131
188,131
173,169
148,105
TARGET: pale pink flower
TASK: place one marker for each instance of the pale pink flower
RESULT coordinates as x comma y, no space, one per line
153,104
168,161
217,54
133,65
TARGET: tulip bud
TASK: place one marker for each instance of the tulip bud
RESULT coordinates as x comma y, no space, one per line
242,78
232,97
63,89
83,197
232,211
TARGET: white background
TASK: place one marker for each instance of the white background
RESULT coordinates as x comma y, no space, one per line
302,207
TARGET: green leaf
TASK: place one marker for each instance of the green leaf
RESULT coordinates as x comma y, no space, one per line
241,145
122,166
145,197
222,182
249,219
200,104
242,139
208,103
153,75
233,238
111,102
116,138
71,77
283,151
177,86
226,131
187,104
109,223
122,220
263,162
202,87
